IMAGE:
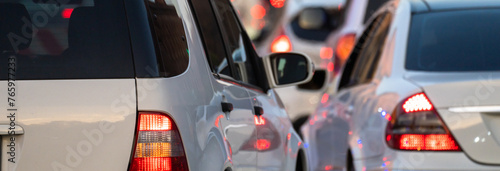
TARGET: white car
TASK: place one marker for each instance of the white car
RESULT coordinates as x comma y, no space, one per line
420,91
164,85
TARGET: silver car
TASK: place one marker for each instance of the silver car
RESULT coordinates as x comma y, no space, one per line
420,91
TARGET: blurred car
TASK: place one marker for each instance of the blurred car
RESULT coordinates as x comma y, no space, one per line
415,94
259,17
141,85
342,40
300,26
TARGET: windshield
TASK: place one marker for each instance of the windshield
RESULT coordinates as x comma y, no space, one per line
467,40
65,39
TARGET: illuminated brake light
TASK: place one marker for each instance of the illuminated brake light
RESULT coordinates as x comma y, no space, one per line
440,142
416,103
66,13
281,44
416,125
258,11
326,53
277,3
411,142
159,145
330,67
154,122
262,144
434,142
345,45
259,120
324,98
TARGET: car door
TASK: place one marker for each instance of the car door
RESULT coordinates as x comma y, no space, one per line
362,88
274,131
273,125
69,86
222,44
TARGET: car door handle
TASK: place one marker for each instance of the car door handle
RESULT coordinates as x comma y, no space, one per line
258,111
226,107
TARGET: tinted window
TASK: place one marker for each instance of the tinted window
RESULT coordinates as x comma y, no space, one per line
361,64
170,41
372,7
455,41
234,41
212,38
371,52
73,40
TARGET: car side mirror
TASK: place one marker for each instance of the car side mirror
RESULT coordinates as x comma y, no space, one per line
313,19
288,69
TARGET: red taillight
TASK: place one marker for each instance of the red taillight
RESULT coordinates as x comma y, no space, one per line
324,98
430,142
159,145
440,142
281,44
326,53
277,3
66,13
330,67
345,45
154,122
258,11
259,120
262,144
417,103
416,125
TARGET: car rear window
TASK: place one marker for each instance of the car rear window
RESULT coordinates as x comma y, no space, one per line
65,39
466,40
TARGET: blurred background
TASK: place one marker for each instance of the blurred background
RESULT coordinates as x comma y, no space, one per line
324,30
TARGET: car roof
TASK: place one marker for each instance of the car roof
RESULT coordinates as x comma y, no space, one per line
444,5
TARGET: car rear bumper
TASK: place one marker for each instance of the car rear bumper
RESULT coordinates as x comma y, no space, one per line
438,161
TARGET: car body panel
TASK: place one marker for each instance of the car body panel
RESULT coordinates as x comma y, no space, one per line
238,126
479,85
406,161
71,125
439,5
274,127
